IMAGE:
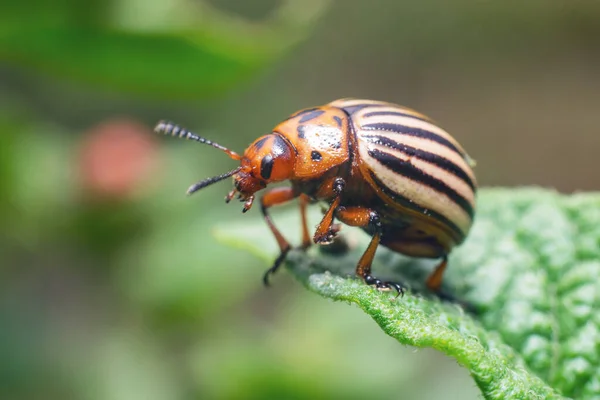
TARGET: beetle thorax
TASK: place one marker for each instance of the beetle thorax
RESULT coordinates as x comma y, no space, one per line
320,138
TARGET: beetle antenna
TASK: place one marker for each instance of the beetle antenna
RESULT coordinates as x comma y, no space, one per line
172,129
209,181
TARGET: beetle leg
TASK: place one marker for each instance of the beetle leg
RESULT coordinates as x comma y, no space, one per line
326,230
304,200
434,282
364,217
272,198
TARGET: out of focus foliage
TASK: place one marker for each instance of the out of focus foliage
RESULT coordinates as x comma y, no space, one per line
172,48
112,286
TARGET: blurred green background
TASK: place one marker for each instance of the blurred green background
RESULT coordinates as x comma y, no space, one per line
112,286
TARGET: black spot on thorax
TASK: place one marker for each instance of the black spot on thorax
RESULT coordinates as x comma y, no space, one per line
308,115
259,145
316,156
338,121
279,146
300,130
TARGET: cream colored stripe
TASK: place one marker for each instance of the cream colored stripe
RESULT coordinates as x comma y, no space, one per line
413,123
421,194
459,186
391,108
425,145
354,102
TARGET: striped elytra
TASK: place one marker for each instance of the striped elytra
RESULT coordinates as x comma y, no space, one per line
387,169
416,160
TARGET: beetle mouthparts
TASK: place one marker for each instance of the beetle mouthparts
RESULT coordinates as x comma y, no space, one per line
248,204
230,195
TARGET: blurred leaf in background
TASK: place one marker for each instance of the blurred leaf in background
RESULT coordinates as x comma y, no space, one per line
175,48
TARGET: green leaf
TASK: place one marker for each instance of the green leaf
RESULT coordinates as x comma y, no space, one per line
529,268
189,50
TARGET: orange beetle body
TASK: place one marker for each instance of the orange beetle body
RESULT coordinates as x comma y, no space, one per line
379,166
302,148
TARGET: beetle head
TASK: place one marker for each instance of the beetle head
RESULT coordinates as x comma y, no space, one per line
269,159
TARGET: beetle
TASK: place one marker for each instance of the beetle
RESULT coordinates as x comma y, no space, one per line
385,168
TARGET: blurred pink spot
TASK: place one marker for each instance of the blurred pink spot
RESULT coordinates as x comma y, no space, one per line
116,159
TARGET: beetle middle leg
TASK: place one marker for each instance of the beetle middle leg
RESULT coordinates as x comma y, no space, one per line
273,197
364,217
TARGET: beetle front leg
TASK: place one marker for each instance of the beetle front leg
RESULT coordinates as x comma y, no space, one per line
326,230
304,201
364,217
272,198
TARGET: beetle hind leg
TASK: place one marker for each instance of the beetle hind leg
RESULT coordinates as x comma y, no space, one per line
434,281
364,217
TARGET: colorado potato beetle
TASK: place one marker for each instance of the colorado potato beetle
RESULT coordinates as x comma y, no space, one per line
379,166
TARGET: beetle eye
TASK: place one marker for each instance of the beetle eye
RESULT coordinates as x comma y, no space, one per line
266,166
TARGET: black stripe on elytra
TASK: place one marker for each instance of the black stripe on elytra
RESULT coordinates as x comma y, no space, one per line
411,131
394,114
266,166
312,114
352,109
411,205
259,145
432,158
405,168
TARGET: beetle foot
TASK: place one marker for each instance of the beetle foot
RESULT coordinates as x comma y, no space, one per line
384,285
276,264
327,237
